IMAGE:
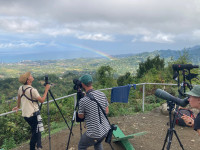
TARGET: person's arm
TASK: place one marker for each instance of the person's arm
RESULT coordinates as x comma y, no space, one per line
42,99
81,109
18,104
107,110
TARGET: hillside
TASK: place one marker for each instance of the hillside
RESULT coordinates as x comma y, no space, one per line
121,65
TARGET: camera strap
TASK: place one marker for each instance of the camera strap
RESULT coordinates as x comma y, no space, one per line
99,106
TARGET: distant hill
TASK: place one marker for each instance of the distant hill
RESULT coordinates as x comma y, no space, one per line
130,62
121,65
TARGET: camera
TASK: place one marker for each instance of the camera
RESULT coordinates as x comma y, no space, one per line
77,84
40,124
46,80
110,132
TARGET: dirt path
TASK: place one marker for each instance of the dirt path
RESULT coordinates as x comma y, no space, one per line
154,123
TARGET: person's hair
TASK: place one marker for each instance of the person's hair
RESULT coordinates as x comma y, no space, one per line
89,84
26,82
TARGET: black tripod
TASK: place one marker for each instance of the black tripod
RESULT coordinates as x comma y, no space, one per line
79,96
48,111
171,130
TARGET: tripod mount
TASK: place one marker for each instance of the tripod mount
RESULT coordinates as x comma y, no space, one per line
48,110
171,129
77,86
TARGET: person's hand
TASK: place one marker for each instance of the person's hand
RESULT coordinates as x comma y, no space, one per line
15,109
188,120
47,87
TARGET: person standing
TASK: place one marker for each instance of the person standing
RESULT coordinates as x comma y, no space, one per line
28,99
194,101
96,123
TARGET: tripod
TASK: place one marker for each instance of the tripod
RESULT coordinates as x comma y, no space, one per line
48,111
171,130
79,96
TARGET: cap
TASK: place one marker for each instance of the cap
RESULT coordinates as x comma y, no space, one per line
195,91
23,78
85,79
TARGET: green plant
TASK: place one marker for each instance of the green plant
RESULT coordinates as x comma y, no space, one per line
9,143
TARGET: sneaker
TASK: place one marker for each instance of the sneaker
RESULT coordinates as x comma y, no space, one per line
39,148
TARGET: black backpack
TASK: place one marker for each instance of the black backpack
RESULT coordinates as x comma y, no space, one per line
179,114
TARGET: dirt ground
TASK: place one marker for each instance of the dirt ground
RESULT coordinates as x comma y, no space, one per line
154,123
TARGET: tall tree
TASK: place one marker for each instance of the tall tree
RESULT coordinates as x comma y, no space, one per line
155,62
125,79
105,76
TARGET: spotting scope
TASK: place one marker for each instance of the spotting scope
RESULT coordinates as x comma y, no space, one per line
166,96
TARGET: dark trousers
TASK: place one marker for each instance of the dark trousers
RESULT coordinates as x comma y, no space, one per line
86,142
36,136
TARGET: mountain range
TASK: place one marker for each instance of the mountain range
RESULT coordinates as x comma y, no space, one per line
121,64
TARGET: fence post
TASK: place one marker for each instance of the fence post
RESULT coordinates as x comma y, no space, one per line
143,97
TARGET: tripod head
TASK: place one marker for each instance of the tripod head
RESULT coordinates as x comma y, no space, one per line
185,68
78,86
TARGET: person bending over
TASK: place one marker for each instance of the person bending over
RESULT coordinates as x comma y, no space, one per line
194,101
96,123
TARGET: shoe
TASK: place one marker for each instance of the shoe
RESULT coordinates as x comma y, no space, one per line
39,148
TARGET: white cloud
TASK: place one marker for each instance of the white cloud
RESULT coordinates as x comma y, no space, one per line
101,20
159,38
96,37
57,31
20,44
18,24
196,33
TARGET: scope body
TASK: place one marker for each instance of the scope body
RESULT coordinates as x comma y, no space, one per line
178,67
166,96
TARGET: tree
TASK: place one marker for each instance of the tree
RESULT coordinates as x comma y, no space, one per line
105,76
125,79
156,63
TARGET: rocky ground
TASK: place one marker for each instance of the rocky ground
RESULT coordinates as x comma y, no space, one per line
154,123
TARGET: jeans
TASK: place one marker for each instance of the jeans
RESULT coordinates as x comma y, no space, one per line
86,142
36,136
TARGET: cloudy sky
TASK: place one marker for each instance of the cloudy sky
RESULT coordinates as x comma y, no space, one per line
97,27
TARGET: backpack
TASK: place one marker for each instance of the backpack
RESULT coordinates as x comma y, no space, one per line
179,114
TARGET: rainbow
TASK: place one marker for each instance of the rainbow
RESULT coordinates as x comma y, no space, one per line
93,50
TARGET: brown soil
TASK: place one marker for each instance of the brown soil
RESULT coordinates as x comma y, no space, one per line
154,123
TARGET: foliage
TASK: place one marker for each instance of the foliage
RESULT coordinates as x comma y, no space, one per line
125,79
105,76
156,63
8,143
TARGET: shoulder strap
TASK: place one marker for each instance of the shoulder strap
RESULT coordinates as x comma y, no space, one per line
99,106
23,94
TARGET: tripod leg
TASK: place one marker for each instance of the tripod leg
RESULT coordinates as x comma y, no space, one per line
71,130
165,139
49,121
178,139
59,109
170,138
80,129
